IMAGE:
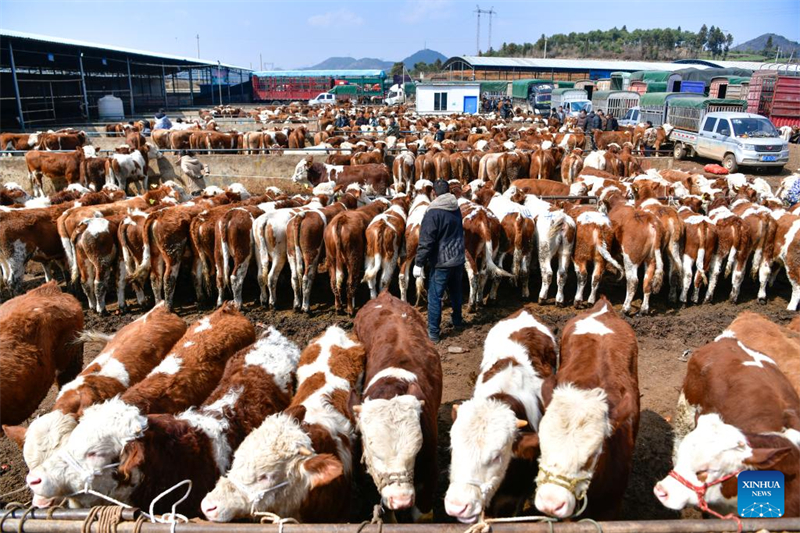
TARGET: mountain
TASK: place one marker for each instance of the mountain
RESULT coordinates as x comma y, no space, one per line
779,41
342,63
425,55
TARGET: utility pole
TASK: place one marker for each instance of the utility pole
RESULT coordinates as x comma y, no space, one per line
261,61
491,12
198,45
545,48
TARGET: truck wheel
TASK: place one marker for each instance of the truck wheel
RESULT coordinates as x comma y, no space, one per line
729,162
679,152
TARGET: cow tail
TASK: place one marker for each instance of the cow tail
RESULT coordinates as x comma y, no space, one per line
341,257
222,239
658,277
143,270
731,261
493,269
372,272
600,246
519,225
76,235
297,222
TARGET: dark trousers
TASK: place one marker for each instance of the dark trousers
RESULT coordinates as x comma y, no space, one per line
441,279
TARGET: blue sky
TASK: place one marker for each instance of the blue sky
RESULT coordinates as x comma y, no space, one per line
291,34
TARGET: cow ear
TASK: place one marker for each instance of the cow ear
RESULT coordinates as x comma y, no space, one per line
16,434
322,469
624,408
526,446
132,457
766,458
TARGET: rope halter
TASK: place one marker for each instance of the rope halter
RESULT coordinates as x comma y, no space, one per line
700,491
87,475
571,483
255,496
484,488
383,480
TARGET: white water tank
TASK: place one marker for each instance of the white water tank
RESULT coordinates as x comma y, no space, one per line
110,107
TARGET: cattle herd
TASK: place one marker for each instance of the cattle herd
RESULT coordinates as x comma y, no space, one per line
261,425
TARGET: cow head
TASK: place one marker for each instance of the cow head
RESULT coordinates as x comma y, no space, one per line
273,470
571,435
43,436
711,451
392,436
483,440
301,170
90,455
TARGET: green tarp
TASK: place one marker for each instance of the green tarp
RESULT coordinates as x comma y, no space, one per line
565,84
702,102
521,88
654,99
494,87
350,90
656,86
650,75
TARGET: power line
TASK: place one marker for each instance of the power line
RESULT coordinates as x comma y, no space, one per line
491,12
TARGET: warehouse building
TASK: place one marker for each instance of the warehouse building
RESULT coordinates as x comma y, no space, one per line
47,80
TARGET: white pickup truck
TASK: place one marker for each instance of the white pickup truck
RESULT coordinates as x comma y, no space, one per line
322,99
736,139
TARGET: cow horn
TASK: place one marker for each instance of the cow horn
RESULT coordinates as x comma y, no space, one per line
304,451
521,423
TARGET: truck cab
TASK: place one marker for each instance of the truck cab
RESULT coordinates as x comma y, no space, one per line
322,99
632,117
735,139
396,95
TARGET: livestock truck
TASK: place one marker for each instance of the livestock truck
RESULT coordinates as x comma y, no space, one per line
532,95
573,101
776,95
722,131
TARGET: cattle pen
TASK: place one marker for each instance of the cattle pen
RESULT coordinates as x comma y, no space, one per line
116,519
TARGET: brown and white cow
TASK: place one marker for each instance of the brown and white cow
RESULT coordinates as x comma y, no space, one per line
493,438
38,344
299,463
589,427
762,227
416,213
638,236
700,243
124,361
97,258
384,244
733,244
345,244
195,364
571,166
403,171
717,436
374,178
672,237
787,253
304,233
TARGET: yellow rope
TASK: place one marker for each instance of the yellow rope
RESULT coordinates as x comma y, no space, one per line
107,517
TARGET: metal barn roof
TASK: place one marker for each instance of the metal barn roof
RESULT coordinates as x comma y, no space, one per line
529,63
131,51
344,73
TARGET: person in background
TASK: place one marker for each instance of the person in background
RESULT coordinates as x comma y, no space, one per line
162,121
612,124
649,139
373,121
603,120
194,170
393,129
441,247
361,120
341,121
438,134
593,122
582,121
560,114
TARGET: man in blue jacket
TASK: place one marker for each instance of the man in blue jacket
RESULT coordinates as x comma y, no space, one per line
441,245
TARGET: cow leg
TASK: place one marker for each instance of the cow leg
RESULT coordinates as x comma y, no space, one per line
688,262
296,279
764,273
353,278
736,281
525,273
197,278
308,281
647,286
157,279
402,278
277,265
387,270
547,273
473,285
632,277
237,280
597,275
102,278
372,281
565,256
48,272
716,268
675,276
794,278
335,275
496,280
121,274
171,280
87,282
582,275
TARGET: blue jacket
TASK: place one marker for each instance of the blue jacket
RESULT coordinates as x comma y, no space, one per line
162,123
441,235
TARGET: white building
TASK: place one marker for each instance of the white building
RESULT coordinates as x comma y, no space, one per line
445,98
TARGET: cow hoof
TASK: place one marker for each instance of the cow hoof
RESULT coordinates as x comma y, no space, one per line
762,301
560,304
643,312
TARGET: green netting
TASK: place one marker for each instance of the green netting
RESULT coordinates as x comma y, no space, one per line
650,75
521,88
344,89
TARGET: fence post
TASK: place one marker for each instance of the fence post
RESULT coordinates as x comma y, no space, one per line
16,85
130,86
83,85
191,85
164,87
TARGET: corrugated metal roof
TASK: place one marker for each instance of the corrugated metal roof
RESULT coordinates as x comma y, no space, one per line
574,64
85,44
366,73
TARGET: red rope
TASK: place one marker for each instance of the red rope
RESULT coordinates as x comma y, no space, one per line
700,490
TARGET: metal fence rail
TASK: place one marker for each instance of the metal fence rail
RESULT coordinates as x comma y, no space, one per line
62,523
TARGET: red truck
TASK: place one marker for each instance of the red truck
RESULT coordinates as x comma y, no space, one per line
775,95
282,88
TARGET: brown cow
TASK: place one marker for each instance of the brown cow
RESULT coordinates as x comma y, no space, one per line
17,141
61,141
603,139
66,167
700,244
125,360
589,427
345,243
571,166
400,403
733,244
384,244
38,343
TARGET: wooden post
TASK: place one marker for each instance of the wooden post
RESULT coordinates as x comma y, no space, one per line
130,87
16,86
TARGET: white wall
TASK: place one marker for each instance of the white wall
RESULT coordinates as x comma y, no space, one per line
455,97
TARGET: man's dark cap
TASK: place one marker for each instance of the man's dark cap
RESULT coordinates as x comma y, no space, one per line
441,187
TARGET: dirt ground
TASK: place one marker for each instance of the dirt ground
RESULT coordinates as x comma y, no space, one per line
662,338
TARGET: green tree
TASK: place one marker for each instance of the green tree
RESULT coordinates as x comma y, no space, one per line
768,47
397,69
727,47
700,40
